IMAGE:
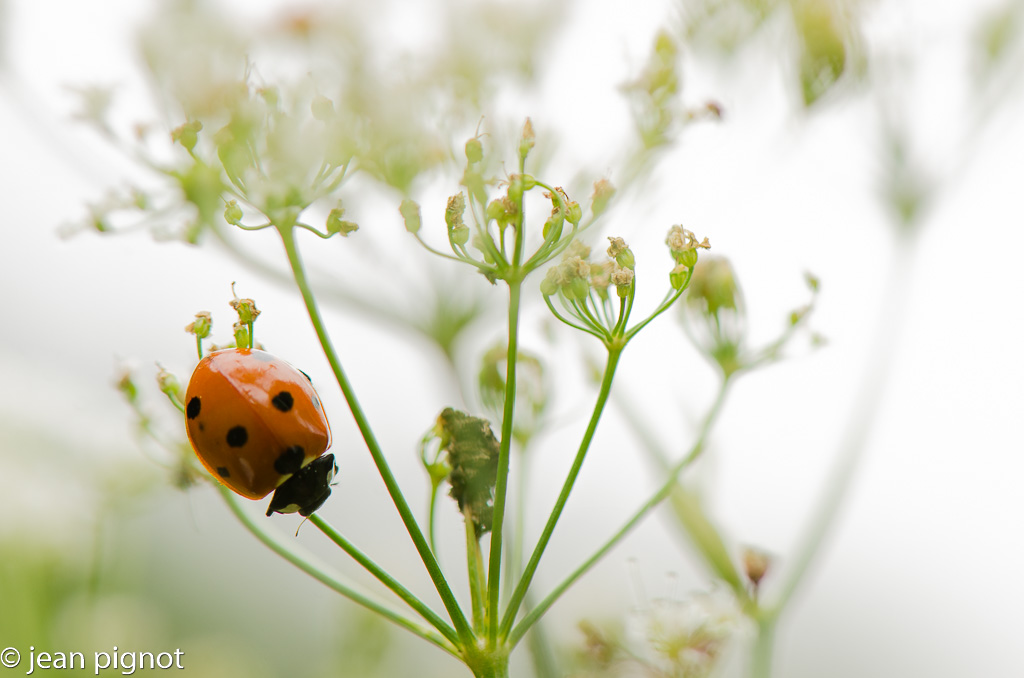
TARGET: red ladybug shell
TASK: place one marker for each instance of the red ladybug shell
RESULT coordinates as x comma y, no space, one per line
253,420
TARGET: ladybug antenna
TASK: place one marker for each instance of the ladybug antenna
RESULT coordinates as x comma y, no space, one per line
300,525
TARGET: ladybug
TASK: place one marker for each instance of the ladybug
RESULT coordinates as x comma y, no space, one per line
257,425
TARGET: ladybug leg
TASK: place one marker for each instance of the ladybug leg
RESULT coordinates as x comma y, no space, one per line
306,490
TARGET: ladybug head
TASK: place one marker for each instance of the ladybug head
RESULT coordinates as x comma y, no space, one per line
307,489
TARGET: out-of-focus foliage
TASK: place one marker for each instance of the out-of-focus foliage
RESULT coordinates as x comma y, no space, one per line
821,38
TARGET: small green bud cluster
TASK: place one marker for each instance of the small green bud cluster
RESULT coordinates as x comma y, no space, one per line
242,330
276,153
654,93
715,318
714,288
714,308
571,277
473,457
498,231
582,287
683,246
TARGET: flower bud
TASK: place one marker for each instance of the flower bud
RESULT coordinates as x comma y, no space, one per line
603,192
233,213
474,182
526,142
459,235
335,223
620,252
714,286
601,277
187,134
201,326
755,564
578,289
622,278
515,188
126,385
683,245
410,211
813,283
677,277
246,309
553,226
169,384
549,285
454,211
573,213
502,210
715,311
474,150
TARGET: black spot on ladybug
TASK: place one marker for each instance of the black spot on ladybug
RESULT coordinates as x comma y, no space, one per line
290,460
222,471
237,436
283,401
192,411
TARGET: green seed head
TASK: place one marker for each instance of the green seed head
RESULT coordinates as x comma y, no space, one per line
201,326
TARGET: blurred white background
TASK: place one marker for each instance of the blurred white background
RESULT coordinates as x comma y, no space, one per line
920,575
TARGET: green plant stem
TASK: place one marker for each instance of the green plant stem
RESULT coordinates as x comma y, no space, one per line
307,564
542,655
431,515
501,484
475,565
764,645
383,577
419,540
531,567
514,277
666,488
699,529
